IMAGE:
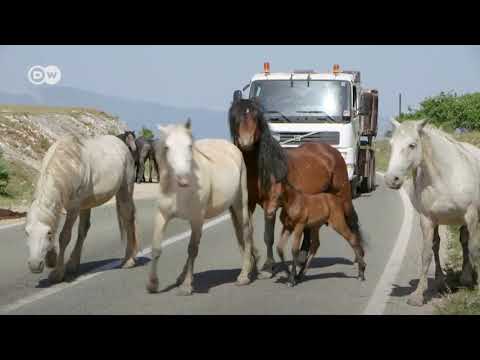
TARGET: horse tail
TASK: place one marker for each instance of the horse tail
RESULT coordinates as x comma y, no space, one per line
121,224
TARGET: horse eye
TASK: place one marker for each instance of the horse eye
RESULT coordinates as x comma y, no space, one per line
412,146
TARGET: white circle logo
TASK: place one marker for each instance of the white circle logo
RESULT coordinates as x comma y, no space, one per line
49,75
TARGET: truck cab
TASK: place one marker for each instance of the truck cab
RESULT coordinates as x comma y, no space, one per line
332,108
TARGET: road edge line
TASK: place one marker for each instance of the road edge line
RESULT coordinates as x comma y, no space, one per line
378,301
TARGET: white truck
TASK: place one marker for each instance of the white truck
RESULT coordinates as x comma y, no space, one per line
333,108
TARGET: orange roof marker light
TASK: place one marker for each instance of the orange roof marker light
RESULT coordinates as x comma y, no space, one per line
266,68
336,69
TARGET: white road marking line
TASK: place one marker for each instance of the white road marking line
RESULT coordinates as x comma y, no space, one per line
378,301
2,227
97,271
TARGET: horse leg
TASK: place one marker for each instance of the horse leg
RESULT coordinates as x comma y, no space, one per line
160,222
83,226
297,237
127,219
185,279
472,218
466,279
428,230
280,249
268,237
439,276
339,224
141,167
243,231
58,273
307,235
150,165
313,247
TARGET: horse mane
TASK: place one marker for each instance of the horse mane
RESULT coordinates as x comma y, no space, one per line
54,186
272,159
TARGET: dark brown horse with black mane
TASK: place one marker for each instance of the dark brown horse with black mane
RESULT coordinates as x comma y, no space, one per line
128,137
312,168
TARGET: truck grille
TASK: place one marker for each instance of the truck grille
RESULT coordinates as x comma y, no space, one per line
325,137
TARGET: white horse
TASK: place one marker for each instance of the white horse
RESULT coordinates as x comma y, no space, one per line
444,189
77,175
200,180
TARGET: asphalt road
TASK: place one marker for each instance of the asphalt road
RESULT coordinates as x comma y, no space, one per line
330,286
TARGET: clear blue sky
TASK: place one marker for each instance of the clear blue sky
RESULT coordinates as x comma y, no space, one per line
205,76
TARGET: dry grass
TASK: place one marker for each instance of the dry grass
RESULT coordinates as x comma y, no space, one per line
382,154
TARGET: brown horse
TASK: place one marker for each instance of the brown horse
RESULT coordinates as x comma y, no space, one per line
300,211
312,168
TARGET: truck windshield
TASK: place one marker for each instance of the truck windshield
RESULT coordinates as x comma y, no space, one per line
329,99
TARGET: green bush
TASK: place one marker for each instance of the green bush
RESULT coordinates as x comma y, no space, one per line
449,111
3,176
146,133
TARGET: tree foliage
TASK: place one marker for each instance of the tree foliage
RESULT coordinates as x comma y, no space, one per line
146,133
449,111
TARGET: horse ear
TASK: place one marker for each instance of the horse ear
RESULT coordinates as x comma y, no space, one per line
162,130
421,124
394,122
188,124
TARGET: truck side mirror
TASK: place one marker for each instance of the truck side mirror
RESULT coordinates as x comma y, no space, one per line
237,95
365,107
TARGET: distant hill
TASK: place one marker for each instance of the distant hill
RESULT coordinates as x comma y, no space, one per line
135,113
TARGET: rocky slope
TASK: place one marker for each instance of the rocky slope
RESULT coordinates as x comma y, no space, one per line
26,132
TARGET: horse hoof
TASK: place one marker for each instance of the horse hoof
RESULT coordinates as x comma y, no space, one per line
361,277
152,286
466,280
128,264
71,267
55,277
268,267
184,291
415,300
242,281
51,259
262,275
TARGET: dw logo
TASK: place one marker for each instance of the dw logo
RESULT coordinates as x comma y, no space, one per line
49,75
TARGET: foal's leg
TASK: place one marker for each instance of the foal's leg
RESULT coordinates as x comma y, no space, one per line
439,276
313,247
297,238
58,273
185,280
281,247
338,222
83,226
466,279
161,221
268,237
427,225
